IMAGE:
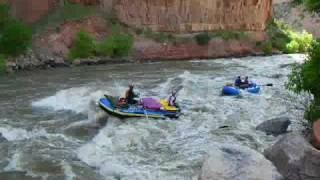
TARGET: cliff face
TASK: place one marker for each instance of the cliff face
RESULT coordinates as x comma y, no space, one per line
193,15
31,10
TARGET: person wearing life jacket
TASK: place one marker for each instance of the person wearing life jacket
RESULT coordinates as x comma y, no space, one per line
238,82
130,95
245,83
172,99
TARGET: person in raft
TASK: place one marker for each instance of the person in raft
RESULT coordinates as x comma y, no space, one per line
130,95
238,82
245,83
172,99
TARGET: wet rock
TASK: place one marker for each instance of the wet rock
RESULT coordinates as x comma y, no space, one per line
237,163
316,134
97,60
275,126
295,158
2,139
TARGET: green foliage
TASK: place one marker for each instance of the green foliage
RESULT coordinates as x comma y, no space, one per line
297,2
5,16
116,45
59,15
300,42
84,46
306,78
203,38
16,38
227,35
267,48
2,64
287,40
312,5
161,37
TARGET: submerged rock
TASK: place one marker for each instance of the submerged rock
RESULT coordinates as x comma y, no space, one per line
237,163
295,158
2,139
275,126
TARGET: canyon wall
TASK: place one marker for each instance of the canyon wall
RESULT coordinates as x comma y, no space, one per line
32,10
193,15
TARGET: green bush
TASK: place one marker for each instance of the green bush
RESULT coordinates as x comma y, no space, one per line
312,5
16,38
116,45
84,46
306,78
203,38
267,48
2,64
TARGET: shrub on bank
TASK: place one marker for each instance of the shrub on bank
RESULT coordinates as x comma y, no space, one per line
15,39
306,78
84,46
2,64
203,38
267,48
116,45
227,35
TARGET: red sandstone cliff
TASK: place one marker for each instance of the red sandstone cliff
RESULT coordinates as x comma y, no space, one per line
193,15
31,10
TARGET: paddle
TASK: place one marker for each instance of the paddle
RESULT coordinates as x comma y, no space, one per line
270,84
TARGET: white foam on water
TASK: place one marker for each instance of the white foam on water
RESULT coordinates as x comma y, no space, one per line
16,134
73,99
15,163
69,174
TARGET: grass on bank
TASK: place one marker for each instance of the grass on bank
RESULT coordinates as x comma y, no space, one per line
205,37
68,11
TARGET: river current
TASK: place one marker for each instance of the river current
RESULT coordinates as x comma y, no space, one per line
52,127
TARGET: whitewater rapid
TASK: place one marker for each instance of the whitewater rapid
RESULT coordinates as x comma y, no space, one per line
83,138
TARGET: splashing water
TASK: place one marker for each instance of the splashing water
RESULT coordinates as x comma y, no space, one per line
90,144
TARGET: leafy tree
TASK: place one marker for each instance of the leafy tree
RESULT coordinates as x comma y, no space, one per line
306,78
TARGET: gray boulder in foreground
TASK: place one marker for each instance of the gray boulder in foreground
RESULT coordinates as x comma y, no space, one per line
295,158
237,163
275,126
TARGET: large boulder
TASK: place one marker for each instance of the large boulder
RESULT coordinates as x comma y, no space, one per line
237,163
316,134
295,158
275,126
